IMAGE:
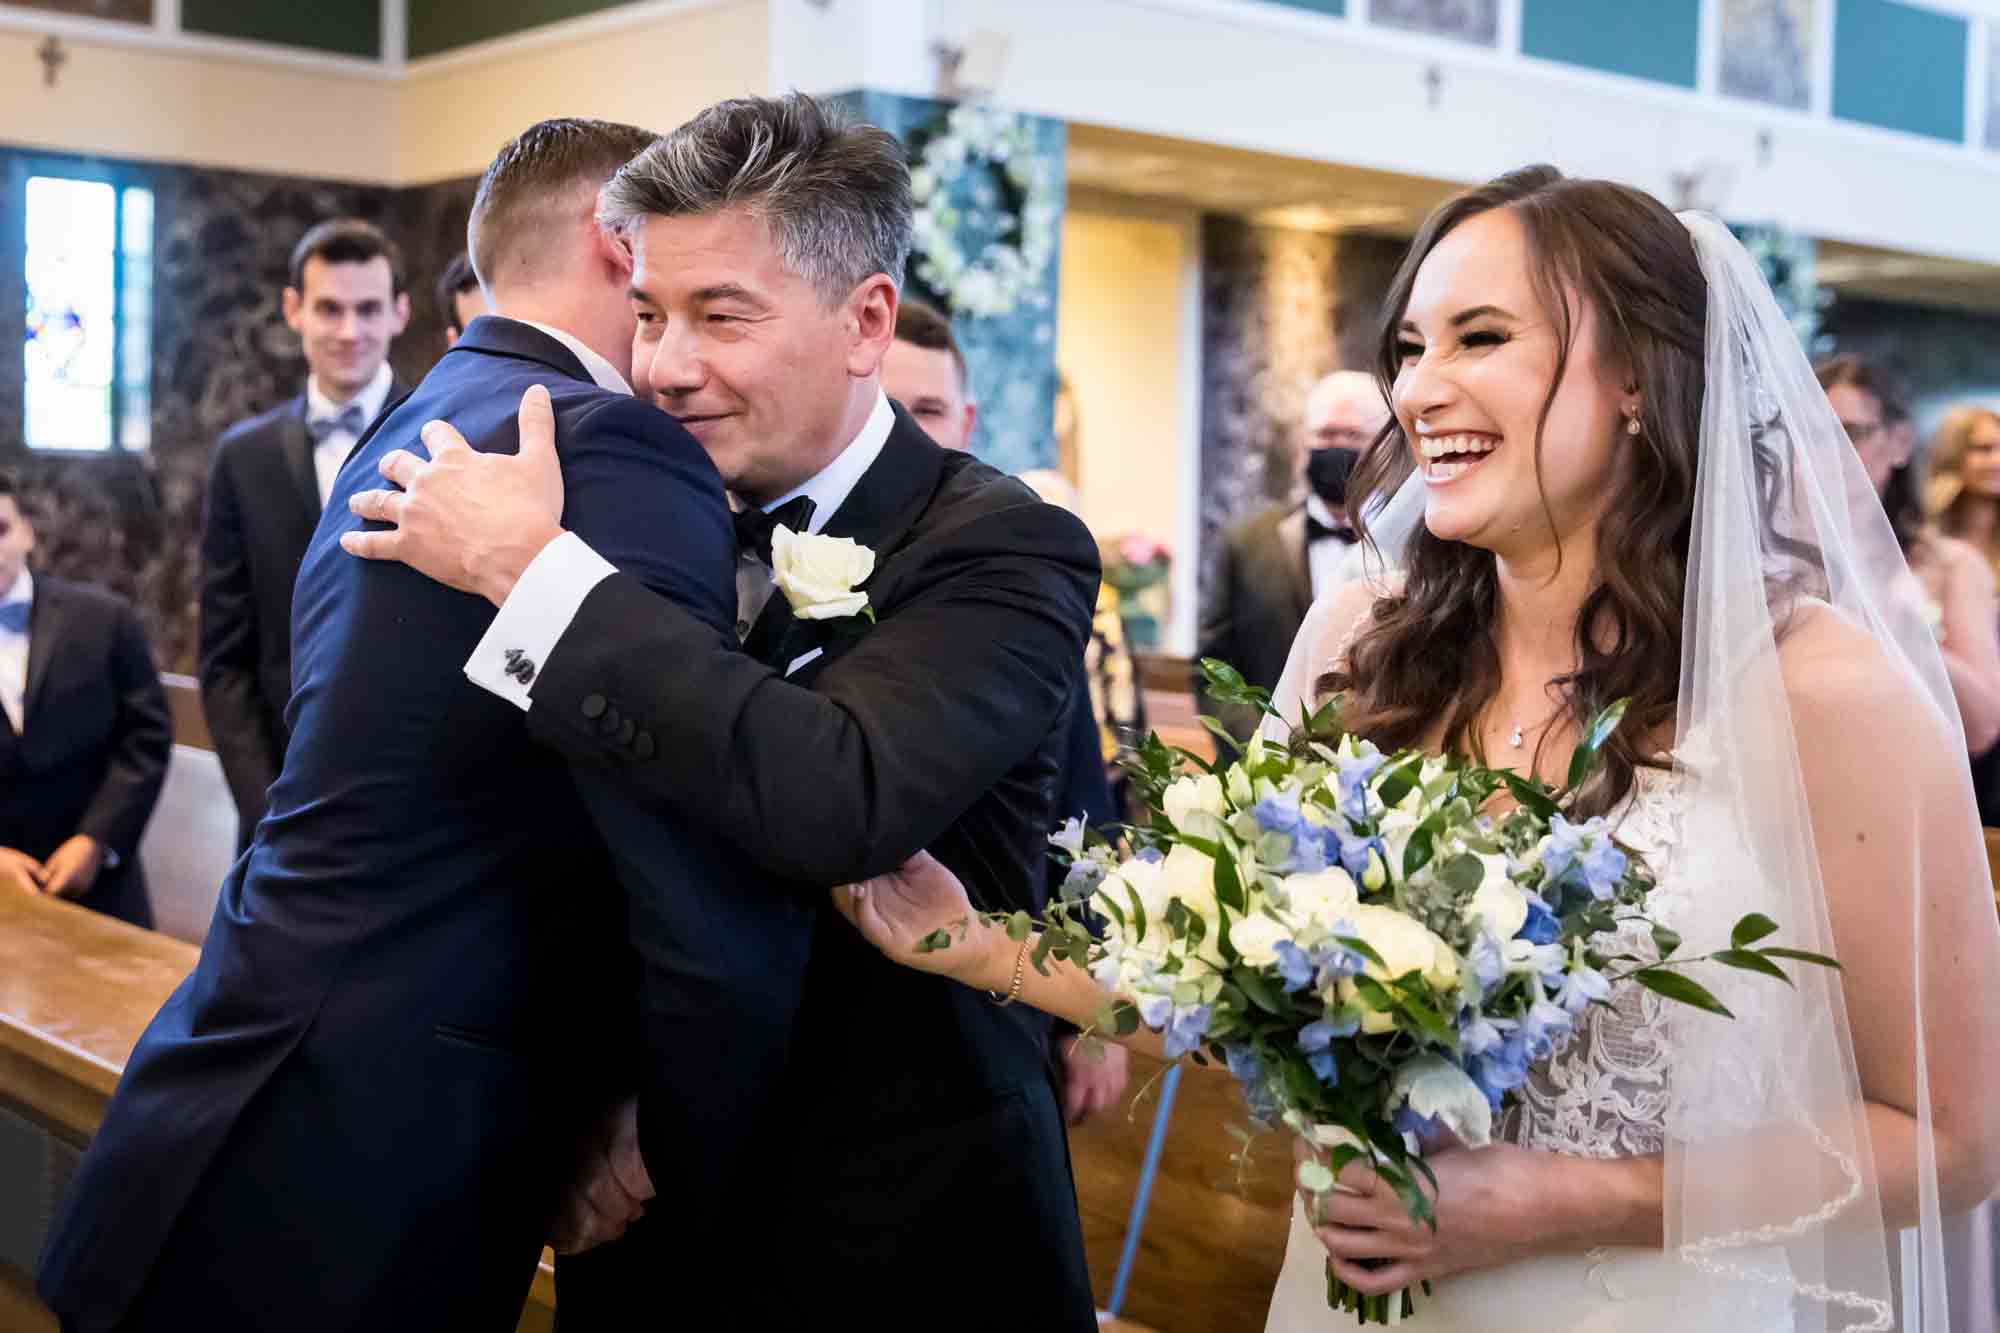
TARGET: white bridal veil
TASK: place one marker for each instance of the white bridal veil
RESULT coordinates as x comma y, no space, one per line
1822,762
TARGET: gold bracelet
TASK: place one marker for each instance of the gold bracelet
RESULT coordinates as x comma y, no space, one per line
1020,974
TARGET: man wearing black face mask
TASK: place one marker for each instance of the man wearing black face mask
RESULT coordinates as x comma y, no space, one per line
1273,564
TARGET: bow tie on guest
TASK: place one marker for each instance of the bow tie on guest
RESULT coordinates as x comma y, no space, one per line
349,419
14,616
754,527
1316,530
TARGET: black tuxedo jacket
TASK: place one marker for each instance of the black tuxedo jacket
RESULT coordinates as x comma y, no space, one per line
260,511
92,751
1257,601
356,1113
917,1127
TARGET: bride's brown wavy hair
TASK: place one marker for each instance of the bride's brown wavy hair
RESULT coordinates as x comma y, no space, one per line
1429,652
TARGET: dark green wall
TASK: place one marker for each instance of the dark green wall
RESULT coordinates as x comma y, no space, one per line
445,25
341,27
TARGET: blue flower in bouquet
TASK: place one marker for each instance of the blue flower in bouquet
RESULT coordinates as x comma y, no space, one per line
1603,866
1545,1027
1541,927
1352,776
1248,1070
1278,813
1069,837
1423,1128
1337,962
1562,847
1155,1011
1296,967
1502,1069
1478,1034
1186,1029
1355,851
1581,987
1316,1040
1489,964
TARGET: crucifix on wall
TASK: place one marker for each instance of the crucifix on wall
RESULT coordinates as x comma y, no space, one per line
53,58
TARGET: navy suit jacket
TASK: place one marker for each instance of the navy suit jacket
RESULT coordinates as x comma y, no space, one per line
358,1109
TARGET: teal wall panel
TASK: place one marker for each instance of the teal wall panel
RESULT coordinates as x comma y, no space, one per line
1011,357
1335,7
445,25
1900,67
1645,39
339,27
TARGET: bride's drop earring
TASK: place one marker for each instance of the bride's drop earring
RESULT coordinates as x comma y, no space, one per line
1514,736
1632,422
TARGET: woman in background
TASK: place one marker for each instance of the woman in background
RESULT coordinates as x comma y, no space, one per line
1965,460
1959,589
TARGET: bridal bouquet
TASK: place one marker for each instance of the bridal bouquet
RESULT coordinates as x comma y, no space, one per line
1372,957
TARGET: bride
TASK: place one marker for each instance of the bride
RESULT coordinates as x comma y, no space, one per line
1611,474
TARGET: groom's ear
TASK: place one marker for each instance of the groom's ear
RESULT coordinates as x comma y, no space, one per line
615,252
870,318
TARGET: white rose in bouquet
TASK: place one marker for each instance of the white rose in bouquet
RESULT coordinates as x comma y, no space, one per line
1499,904
1188,799
1145,880
1256,938
1406,945
1190,876
1325,899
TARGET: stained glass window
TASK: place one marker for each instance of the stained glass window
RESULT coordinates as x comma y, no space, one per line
88,355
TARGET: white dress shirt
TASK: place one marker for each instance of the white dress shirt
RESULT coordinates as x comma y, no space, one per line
14,657
1324,557
332,451
552,588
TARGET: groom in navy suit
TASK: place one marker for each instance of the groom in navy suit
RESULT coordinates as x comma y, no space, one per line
417,989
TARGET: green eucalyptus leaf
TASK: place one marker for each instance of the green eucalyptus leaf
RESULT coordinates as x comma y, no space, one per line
1750,929
1018,926
1800,956
1463,873
1254,985
1685,990
1748,960
1315,1178
1583,760
1666,941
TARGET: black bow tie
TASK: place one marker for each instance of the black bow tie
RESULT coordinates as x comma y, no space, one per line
1316,530
754,527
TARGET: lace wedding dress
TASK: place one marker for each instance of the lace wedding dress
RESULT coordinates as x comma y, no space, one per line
1604,1095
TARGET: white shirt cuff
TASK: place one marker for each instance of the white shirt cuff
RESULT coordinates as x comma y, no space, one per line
534,618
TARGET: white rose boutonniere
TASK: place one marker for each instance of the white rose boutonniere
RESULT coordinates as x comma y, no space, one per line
819,574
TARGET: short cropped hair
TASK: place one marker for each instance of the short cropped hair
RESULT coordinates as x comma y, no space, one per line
457,277
347,241
1872,378
834,192
921,324
532,178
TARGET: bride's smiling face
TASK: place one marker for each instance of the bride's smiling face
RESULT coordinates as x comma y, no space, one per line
1476,355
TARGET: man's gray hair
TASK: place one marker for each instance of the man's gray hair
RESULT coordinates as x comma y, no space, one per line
834,192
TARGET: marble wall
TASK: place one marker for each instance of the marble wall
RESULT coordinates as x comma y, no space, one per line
221,352
1280,309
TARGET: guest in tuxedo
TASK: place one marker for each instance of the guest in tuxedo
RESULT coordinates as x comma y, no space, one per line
918,1125
1274,563
85,747
925,371
356,1113
459,300
268,480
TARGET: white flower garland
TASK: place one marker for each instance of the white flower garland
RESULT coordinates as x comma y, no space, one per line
1009,269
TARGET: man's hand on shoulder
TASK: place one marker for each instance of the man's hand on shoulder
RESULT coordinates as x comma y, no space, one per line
469,520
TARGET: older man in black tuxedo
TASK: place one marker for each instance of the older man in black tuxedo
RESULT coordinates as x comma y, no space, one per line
83,748
919,1129
267,483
